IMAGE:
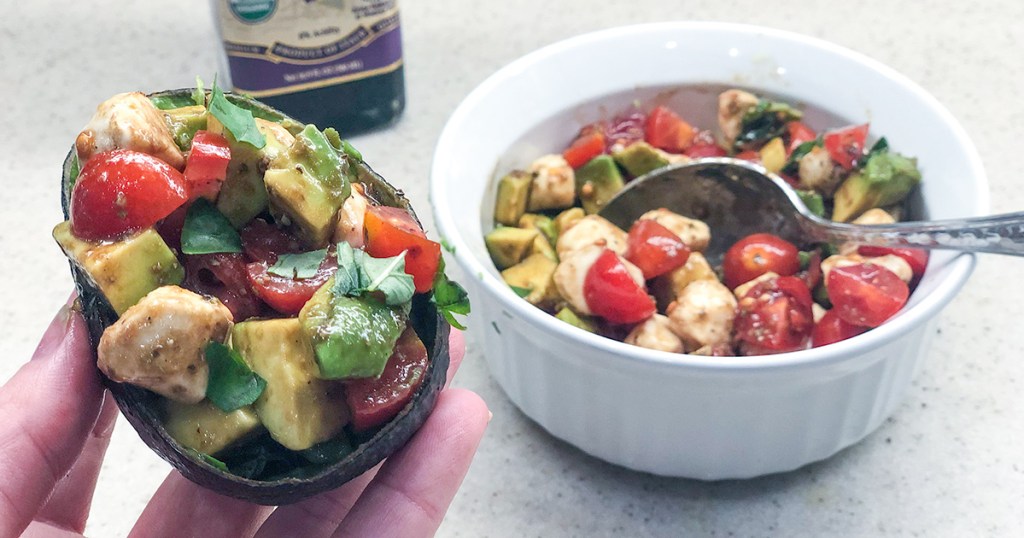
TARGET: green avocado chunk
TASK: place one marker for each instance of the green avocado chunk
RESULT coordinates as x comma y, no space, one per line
184,122
569,316
886,178
243,194
298,408
513,194
508,246
352,336
639,158
597,182
307,186
536,273
205,428
126,270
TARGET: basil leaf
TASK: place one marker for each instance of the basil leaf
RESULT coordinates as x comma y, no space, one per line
207,230
237,120
232,384
346,279
388,276
879,147
296,266
451,298
520,291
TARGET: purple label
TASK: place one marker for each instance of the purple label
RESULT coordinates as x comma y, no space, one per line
281,68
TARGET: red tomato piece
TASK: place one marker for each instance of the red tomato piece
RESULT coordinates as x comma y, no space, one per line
119,192
374,401
284,294
812,275
584,148
846,145
866,294
223,276
612,293
262,242
207,164
831,329
799,133
749,155
704,145
775,316
756,255
655,249
391,231
917,258
664,129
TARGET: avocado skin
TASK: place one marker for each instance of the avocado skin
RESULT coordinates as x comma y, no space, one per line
142,408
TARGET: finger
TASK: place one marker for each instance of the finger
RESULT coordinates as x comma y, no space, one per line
318,515
456,351
181,508
49,407
68,507
412,491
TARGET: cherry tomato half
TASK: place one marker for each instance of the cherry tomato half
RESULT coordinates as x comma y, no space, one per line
757,254
655,249
392,230
775,316
665,130
207,164
704,145
831,329
612,293
374,401
584,148
799,133
223,276
846,145
866,294
119,192
915,257
284,294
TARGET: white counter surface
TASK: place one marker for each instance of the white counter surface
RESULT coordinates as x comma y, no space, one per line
949,462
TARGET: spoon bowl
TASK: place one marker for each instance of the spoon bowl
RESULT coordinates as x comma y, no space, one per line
736,198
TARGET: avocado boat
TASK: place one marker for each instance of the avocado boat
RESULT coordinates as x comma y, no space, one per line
251,427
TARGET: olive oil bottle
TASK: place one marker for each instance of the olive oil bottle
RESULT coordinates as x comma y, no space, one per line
333,63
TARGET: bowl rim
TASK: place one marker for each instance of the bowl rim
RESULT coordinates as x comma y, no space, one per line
959,267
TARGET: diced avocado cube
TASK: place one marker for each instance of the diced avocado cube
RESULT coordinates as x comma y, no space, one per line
639,158
569,316
535,273
567,218
352,337
543,224
307,186
204,427
513,194
885,179
243,194
298,408
813,201
597,182
184,122
541,245
773,155
126,270
508,246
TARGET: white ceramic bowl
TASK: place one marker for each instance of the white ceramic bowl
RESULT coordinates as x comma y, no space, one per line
681,415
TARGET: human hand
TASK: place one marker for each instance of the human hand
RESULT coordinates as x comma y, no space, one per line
57,424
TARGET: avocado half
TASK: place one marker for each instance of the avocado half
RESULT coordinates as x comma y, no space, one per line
142,409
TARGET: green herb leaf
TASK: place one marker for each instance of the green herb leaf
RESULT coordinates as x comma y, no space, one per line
296,266
450,298
765,121
237,120
448,247
207,230
520,291
232,384
879,147
388,276
346,280
199,93
359,273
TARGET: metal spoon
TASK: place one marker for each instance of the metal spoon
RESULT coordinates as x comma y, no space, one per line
737,198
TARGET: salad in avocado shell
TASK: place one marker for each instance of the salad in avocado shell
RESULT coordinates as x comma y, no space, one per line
266,309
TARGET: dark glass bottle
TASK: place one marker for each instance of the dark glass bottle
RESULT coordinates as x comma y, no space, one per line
333,63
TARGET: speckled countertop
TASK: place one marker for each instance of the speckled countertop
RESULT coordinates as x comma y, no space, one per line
949,462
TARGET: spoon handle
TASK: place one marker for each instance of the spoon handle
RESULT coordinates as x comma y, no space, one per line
997,234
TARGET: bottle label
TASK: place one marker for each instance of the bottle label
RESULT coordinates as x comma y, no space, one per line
282,46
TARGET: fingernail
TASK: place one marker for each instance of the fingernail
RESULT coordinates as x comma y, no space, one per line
489,416
55,333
